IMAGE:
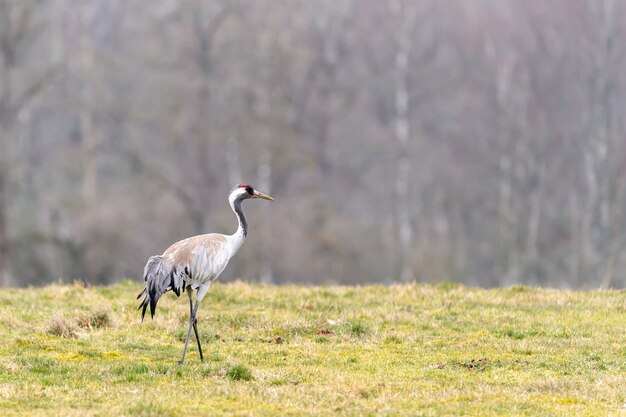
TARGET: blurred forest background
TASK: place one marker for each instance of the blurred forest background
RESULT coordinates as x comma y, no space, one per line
476,141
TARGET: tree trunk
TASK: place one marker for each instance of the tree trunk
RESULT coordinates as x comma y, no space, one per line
5,260
89,141
576,249
615,240
596,221
5,100
402,136
534,220
264,174
264,167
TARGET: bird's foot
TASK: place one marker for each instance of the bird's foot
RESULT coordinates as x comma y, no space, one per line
180,362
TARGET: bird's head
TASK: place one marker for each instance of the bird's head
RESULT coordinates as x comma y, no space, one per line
245,191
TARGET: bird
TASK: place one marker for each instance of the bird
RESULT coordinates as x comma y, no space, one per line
195,262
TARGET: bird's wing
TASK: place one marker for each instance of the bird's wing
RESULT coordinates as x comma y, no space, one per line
191,261
197,258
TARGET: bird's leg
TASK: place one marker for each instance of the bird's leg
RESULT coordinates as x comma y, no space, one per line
195,326
195,329
192,319
201,293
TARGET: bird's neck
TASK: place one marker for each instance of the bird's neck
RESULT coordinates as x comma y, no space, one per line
242,230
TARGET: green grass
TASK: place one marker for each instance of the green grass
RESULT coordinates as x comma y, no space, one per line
239,373
406,350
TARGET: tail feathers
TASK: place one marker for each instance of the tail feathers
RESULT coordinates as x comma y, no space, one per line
160,276
144,303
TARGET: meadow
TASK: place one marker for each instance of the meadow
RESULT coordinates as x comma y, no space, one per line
401,350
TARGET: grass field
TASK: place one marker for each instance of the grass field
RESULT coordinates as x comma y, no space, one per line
411,350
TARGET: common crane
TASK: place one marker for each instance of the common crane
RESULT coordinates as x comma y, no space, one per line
194,263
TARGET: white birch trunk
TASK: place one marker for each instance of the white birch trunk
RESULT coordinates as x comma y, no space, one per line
532,249
88,133
5,260
5,98
402,135
576,251
264,165
597,233
264,175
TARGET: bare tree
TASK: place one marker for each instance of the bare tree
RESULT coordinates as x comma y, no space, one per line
19,24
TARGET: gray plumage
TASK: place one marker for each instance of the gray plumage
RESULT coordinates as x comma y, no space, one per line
160,276
195,262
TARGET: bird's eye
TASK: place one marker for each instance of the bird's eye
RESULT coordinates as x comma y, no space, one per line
250,190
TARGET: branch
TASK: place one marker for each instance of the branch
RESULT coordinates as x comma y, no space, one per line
33,89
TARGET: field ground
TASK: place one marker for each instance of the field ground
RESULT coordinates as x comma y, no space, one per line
413,350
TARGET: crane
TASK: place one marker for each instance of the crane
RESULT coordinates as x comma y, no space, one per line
194,263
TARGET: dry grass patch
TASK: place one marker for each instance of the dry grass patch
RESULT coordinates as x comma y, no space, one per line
60,326
94,320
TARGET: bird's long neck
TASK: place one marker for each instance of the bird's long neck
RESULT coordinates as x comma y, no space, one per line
242,230
241,217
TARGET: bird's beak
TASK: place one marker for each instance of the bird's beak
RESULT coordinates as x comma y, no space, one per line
258,194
